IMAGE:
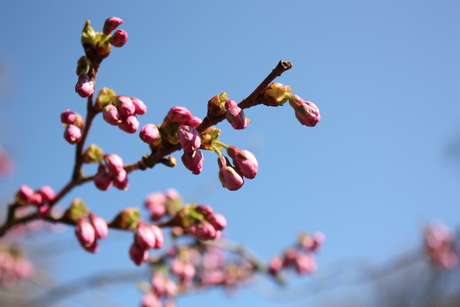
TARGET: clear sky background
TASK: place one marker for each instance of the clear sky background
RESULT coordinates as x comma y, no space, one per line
383,161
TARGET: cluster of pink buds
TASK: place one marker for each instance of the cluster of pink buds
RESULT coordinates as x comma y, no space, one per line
122,113
245,165
120,37
146,237
439,246
300,257
160,204
179,127
111,171
74,125
40,199
208,228
162,292
13,267
88,232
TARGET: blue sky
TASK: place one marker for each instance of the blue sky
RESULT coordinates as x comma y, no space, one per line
379,165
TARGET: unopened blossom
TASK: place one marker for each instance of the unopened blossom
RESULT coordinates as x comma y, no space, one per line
102,180
68,117
235,115
189,138
306,112
137,254
114,163
150,299
305,263
193,161
179,115
36,199
149,134
24,195
111,115
144,236
120,180
111,24
245,161
218,221
205,231
72,134
312,242
139,105
129,124
85,233
125,106
44,211
205,210
155,203
100,226
194,122
47,193
119,38
276,264
159,236
84,86
228,176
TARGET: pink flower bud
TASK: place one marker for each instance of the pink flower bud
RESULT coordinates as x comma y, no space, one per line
194,122
85,233
137,254
111,115
177,267
84,86
144,236
235,115
47,193
68,117
230,178
24,195
102,180
305,263
111,24
114,163
172,194
159,236
72,134
99,225
93,248
205,210
193,161
139,105
218,221
189,138
125,106
120,180
276,264
150,300
129,124
149,133
205,231
179,115
36,199
155,202
245,161
44,211
306,112
119,38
